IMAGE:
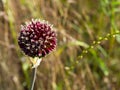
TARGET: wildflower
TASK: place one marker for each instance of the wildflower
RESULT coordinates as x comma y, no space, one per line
37,38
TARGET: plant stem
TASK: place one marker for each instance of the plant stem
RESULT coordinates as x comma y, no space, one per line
33,78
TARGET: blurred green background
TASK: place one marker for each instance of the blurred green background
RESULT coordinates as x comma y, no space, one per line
78,24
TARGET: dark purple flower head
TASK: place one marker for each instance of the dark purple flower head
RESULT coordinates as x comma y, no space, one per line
37,38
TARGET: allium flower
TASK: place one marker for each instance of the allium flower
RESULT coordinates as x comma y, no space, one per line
37,38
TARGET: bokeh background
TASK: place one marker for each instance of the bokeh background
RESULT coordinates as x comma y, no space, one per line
78,23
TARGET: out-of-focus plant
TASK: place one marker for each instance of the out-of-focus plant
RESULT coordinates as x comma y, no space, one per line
97,42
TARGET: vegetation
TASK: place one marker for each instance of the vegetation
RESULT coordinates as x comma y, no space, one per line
87,53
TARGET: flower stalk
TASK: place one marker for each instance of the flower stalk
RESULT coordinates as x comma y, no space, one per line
33,78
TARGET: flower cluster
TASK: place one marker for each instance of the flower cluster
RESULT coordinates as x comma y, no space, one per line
37,38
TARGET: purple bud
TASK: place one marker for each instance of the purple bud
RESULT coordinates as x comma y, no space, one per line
37,38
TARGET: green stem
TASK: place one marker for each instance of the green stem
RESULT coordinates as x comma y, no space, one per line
33,78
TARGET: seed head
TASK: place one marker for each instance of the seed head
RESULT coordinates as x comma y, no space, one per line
37,38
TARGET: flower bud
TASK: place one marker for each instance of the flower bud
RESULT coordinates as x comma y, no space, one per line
37,38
